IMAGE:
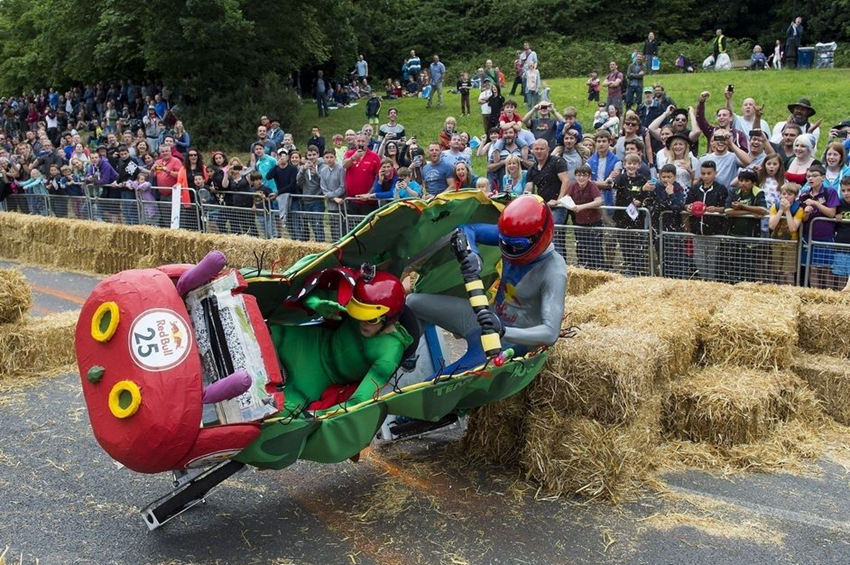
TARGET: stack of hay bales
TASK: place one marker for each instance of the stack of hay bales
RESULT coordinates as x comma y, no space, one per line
727,405
752,329
106,248
592,422
706,372
30,346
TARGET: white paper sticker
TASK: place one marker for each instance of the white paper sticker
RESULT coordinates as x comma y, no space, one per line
159,339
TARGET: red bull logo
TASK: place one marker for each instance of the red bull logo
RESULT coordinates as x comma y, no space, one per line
159,340
176,335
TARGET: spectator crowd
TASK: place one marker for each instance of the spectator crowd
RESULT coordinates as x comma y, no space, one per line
723,169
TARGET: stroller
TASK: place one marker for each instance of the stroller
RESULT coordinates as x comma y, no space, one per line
685,64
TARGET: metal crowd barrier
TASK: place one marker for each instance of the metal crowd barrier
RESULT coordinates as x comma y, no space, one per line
657,247
354,210
229,212
310,218
609,248
724,258
827,263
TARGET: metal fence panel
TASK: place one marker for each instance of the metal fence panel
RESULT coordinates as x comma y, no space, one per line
826,263
235,220
608,248
605,248
74,207
109,210
355,211
308,220
17,203
159,212
728,259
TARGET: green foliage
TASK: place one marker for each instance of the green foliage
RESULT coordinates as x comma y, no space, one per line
228,117
212,51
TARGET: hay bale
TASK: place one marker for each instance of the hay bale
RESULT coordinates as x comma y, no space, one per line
823,328
577,455
15,295
37,345
730,405
830,379
791,446
662,307
606,373
495,432
753,330
581,281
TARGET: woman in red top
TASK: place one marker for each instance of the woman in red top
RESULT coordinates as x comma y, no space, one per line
798,165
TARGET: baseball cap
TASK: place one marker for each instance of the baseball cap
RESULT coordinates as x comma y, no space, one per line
647,89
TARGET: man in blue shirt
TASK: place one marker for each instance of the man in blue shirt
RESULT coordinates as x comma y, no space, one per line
361,67
437,172
437,69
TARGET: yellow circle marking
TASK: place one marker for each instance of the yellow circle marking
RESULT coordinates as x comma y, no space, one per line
104,322
124,399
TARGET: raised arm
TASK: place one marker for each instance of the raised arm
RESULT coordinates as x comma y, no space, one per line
654,127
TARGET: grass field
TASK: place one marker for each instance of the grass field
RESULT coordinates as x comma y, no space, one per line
828,91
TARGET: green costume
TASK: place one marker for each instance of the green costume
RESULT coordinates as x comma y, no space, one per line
316,357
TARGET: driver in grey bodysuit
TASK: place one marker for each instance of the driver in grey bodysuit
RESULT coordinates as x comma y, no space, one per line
529,303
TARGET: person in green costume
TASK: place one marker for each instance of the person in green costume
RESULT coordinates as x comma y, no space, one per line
364,345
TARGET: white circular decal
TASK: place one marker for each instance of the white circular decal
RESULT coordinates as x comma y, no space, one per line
159,339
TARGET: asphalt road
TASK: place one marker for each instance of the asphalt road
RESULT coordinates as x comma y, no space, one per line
63,500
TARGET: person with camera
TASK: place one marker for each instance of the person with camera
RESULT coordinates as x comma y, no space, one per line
839,133
361,166
727,156
545,124
751,114
309,183
724,120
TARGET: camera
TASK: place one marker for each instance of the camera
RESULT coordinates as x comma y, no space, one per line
842,134
731,88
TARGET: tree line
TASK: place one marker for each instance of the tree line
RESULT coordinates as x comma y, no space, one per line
221,51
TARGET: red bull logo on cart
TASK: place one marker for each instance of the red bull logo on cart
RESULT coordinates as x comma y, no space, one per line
159,339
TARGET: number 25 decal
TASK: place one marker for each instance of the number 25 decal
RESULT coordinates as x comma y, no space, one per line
145,349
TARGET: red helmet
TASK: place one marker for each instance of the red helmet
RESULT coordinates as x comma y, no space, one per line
525,229
377,298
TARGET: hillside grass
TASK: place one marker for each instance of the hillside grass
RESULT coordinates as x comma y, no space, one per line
827,89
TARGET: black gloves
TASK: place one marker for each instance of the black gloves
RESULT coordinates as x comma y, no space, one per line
471,265
489,322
